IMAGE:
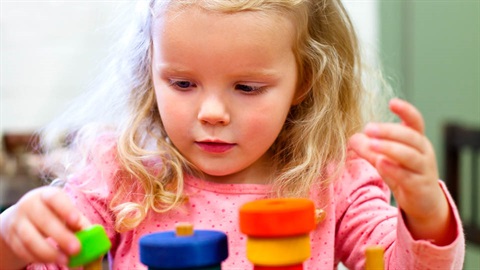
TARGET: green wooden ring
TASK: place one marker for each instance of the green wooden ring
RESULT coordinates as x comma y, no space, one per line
94,244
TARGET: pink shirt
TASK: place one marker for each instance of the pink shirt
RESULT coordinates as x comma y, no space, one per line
358,214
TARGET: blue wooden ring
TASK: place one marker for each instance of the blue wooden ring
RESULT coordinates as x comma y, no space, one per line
166,250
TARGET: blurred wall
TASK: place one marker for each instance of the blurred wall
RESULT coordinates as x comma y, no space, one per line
50,52
431,52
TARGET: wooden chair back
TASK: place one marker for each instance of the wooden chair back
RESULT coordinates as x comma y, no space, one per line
457,140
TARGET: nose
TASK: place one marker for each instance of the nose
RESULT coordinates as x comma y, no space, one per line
213,111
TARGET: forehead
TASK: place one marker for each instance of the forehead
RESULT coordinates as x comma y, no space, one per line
254,34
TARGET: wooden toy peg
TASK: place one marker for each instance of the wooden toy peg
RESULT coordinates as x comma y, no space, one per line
183,229
374,258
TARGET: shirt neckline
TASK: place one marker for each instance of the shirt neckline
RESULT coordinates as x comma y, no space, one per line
198,183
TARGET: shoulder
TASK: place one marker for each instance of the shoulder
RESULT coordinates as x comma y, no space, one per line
102,147
96,160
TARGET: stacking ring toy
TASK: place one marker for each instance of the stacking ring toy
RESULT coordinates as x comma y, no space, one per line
278,232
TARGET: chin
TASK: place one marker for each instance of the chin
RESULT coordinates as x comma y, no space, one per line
222,176
216,169
216,173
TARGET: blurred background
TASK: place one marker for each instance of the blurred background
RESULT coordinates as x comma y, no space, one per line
52,50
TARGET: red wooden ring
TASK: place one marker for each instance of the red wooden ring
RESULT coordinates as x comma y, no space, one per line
286,267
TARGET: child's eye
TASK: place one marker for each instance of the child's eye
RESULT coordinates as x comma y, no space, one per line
249,89
182,85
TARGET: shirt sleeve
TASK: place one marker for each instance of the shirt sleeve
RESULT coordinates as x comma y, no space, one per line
365,217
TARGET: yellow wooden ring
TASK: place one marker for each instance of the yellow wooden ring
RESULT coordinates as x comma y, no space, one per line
278,251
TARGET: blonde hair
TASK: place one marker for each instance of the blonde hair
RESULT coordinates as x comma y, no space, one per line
314,136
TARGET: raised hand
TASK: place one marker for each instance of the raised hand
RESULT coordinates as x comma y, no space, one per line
40,228
405,159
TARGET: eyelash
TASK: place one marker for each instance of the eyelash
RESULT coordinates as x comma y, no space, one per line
175,84
254,90
251,90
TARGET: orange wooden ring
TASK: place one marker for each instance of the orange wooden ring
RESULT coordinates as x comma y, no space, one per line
277,217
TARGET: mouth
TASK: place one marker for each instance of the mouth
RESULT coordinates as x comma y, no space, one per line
215,147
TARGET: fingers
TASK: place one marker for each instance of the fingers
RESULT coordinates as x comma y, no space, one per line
61,205
404,156
33,246
390,171
399,143
377,151
59,220
393,160
410,116
402,145
397,133
41,227
359,142
387,168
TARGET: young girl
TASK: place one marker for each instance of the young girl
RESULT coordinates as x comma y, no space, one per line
217,103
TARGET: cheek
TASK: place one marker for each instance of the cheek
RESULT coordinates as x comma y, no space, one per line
264,127
170,112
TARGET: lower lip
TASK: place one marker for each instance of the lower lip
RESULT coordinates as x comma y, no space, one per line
215,147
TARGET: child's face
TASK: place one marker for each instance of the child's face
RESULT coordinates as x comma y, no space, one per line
224,85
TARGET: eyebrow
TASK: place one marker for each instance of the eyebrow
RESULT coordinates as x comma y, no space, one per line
169,68
265,73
